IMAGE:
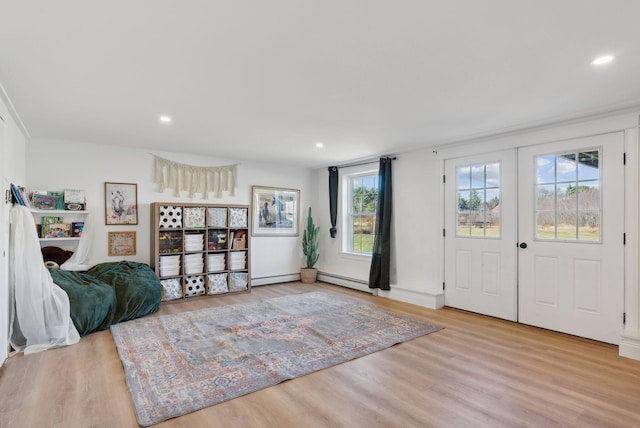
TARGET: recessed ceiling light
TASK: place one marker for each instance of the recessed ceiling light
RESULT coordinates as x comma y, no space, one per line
165,119
319,145
601,60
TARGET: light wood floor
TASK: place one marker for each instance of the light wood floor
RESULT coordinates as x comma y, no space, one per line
477,372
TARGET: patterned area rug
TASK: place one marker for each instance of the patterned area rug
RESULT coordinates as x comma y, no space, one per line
176,364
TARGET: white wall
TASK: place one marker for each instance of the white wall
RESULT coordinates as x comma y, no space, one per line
12,170
56,165
416,228
416,246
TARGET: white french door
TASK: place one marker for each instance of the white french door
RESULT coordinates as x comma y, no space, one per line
480,234
536,235
571,255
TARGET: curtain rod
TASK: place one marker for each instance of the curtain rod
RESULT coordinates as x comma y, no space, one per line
363,163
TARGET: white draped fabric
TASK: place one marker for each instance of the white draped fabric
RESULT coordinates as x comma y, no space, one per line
80,258
195,179
40,312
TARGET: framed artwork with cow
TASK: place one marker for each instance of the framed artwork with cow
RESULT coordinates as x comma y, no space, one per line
121,203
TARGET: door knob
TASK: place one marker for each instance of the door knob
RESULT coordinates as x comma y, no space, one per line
523,245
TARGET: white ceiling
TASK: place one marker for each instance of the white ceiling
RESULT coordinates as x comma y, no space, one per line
266,80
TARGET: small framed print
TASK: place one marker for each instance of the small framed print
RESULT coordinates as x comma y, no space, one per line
121,203
122,243
275,211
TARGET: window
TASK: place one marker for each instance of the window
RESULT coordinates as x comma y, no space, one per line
568,197
478,212
361,201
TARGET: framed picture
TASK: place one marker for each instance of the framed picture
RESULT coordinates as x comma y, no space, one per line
122,243
121,203
275,211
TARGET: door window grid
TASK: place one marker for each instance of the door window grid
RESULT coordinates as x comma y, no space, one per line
568,197
478,208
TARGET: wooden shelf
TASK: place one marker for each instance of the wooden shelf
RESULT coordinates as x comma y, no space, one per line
196,219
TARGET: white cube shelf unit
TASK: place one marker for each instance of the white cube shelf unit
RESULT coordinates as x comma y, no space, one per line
200,249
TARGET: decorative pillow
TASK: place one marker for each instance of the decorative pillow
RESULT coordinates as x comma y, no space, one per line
171,289
217,283
170,217
193,285
217,217
237,217
237,281
194,217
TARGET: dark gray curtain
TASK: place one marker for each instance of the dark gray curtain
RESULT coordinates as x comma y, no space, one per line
333,198
381,255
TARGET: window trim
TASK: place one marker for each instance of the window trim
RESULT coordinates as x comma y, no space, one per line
346,198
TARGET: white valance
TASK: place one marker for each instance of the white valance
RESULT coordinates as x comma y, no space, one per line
195,179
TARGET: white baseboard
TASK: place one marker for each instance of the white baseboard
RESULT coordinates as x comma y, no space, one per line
343,281
425,299
275,279
420,298
629,344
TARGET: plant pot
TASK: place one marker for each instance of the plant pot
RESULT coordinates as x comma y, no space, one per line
308,275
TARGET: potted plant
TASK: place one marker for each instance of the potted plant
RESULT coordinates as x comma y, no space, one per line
308,274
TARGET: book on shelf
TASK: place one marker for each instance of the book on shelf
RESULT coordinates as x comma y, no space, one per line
44,202
76,228
19,196
56,230
45,221
74,200
59,199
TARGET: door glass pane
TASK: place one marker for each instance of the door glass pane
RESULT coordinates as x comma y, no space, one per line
566,211
546,225
566,168
477,177
478,211
545,197
492,175
492,214
589,195
568,199
589,225
464,228
477,226
464,223
464,177
545,169
588,166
